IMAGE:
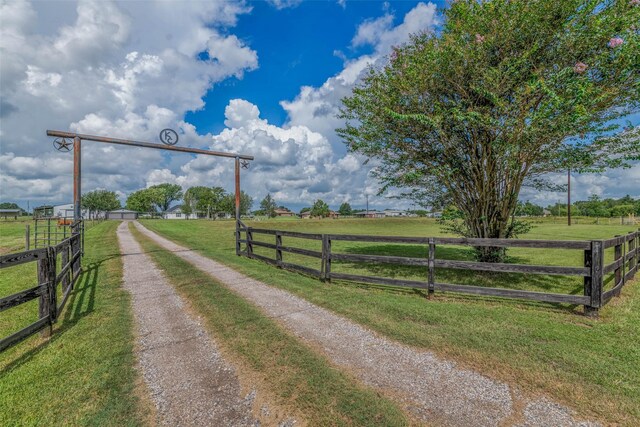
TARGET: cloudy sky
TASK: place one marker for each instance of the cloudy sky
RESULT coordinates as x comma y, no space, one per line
259,78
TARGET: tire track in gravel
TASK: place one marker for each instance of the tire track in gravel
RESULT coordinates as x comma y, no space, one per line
190,383
433,390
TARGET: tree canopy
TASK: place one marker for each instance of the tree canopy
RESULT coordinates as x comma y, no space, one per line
320,209
268,206
100,201
507,92
345,209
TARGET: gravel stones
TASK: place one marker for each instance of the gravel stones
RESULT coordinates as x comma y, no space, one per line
435,391
190,383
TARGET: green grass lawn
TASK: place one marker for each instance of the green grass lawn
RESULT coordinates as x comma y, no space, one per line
12,235
83,374
591,365
292,374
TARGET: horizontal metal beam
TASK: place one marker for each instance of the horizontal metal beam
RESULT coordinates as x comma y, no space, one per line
131,143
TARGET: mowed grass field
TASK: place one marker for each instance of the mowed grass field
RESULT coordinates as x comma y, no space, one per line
84,373
591,365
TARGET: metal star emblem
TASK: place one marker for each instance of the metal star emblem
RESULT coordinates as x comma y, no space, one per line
62,144
244,164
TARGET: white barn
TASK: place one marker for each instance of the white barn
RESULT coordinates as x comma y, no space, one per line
66,211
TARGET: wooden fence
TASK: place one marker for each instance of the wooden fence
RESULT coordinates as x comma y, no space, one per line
593,270
48,280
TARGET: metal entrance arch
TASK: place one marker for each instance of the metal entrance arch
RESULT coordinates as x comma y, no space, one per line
77,160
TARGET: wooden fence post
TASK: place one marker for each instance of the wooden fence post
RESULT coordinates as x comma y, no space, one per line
326,258
279,249
65,261
249,234
432,266
238,238
44,301
593,259
27,237
53,295
75,249
619,272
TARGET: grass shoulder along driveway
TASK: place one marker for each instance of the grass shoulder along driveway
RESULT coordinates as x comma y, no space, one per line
84,374
292,373
590,365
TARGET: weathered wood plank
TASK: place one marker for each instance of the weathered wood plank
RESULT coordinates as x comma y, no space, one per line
22,297
613,266
609,243
264,258
513,268
380,258
378,239
515,243
24,333
306,270
307,252
380,280
310,236
513,293
68,291
18,258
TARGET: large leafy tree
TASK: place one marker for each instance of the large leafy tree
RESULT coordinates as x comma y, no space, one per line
229,203
207,200
345,209
165,194
507,92
320,209
100,201
268,206
142,201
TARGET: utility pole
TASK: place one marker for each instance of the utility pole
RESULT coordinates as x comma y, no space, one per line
569,196
367,206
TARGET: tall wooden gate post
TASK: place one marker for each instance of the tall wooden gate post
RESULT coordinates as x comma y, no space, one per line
237,182
77,177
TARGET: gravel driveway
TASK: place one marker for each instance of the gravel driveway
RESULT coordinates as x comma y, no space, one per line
190,384
433,390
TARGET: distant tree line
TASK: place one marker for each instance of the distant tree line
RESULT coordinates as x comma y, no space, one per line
211,201
597,207
202,201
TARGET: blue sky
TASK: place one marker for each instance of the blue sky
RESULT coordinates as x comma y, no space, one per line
263,78
302,45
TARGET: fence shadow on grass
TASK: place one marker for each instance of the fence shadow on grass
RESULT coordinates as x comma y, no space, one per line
517,281
81,303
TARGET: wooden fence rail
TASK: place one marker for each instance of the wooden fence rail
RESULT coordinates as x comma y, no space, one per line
593,271
49,278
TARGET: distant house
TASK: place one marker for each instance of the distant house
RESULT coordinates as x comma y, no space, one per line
122,214
8,213
283,212
305,215
175,213
334,215
66,211
394,213
370,214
